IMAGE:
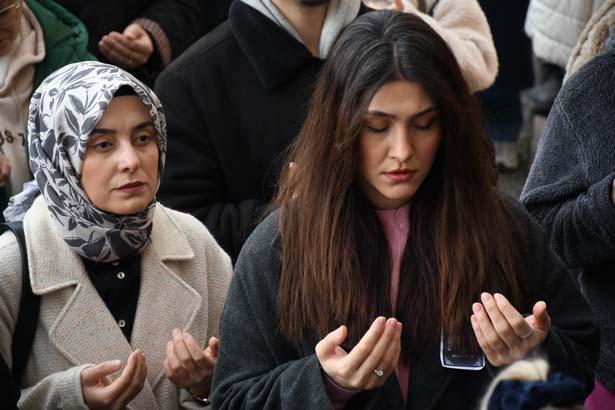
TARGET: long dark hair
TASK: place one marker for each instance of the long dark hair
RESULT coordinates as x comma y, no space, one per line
335,267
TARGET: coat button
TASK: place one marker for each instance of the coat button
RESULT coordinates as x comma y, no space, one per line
121,275
121,322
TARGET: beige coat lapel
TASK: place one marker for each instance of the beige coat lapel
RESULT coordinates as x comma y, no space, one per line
166,301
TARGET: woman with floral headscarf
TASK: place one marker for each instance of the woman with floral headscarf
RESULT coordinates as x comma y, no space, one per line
108,262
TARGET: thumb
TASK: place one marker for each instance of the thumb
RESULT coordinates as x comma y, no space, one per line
398,5
212,347
541,318
133,31
92,375
329,344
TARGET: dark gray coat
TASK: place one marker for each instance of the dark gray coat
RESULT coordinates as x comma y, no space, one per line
569,191
259,369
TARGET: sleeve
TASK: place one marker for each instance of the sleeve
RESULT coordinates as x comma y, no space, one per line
178,19
464,27
573,343
193,181
256,368
579,217
58,390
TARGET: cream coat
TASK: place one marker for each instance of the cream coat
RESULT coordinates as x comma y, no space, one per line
184,279
463,25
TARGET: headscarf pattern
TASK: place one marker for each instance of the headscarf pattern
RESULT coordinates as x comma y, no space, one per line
63,112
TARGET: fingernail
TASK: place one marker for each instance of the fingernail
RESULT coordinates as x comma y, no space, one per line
484,296
476,308
498,297
175,332
398,326
116,363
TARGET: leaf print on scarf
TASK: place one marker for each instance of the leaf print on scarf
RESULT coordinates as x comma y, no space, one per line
63,112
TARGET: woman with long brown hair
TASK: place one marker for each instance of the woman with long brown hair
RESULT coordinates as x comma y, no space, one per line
390,210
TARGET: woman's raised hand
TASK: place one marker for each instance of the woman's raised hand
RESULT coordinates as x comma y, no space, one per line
370,363
503,333
188,366
100,393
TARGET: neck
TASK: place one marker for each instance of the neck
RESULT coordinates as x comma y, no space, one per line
306,20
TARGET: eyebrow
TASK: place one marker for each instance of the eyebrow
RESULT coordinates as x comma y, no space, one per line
388,115
106,131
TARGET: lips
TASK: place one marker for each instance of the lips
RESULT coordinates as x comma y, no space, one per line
399,175
131,185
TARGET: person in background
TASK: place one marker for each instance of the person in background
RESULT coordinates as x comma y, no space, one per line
237,98
570,190
141,36
528,385
36,38
130,291
393,275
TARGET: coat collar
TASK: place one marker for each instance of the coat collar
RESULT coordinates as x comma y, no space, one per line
167,243
84,329
274,54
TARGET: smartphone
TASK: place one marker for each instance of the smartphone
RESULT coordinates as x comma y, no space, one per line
451,359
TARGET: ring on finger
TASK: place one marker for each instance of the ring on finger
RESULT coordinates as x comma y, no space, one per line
379,372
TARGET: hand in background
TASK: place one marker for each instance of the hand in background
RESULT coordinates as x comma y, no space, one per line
5,169
130,49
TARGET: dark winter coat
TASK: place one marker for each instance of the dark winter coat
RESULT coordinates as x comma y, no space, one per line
569,191
259,369
234,102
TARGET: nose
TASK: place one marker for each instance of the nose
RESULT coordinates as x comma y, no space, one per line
401,144
128,160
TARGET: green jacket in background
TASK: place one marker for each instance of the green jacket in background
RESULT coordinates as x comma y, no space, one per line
66,41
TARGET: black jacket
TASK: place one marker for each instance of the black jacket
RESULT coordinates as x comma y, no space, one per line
257,368
569,191
234,101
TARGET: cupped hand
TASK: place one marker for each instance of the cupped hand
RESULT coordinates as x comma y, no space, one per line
187,365
503,333
130,49
100,393
378,349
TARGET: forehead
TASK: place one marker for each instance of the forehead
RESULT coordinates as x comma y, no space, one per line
401,98
124,110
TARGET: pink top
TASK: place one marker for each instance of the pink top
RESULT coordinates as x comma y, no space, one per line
396,226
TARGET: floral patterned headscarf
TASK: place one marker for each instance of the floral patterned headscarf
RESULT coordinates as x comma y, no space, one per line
63,112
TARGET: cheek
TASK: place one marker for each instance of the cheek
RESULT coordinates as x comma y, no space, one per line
370,156
92,181
427,149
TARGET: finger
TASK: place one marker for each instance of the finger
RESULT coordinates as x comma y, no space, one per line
398,5
182,352
113,56
499,322
365,346
486,327
541,318
482,341
6,169
327,346
135,384
178,373
201,360
386,342
212,347
516,321
391,357
122,383
92,375
136,48
112,41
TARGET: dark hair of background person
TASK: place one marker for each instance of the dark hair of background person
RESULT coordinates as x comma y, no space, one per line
462,239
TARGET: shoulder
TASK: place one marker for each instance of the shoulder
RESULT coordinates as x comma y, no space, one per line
201,54
592,84
260,256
